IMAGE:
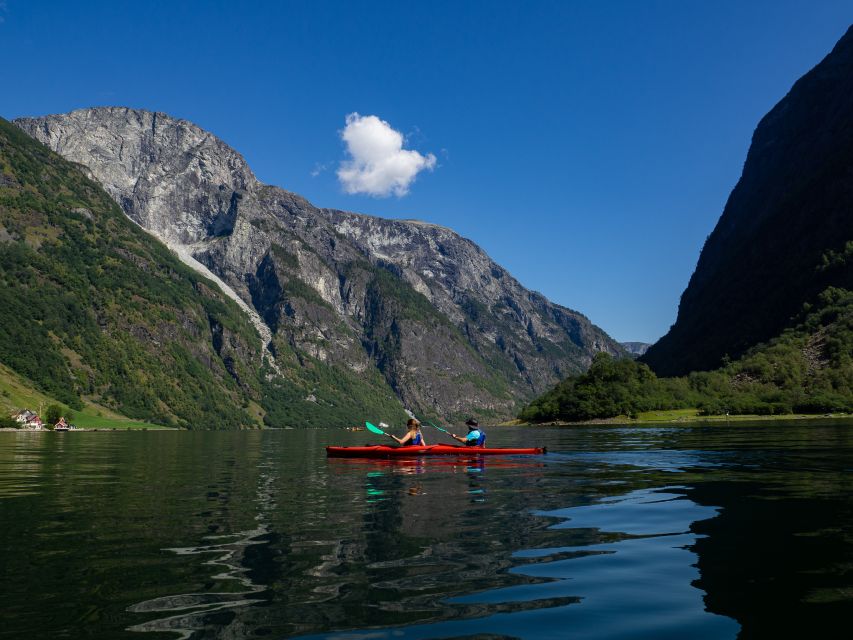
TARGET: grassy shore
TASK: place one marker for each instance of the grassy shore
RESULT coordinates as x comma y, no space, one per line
687,416
17,393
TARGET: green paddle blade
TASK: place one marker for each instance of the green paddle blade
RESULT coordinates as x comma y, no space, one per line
437,427
374,429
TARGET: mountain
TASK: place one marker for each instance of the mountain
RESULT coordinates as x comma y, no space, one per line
635,348
97,310
786,233
765,325
346,304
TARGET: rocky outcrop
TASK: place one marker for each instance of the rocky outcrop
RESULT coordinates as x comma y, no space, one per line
414,306
636,348
786,232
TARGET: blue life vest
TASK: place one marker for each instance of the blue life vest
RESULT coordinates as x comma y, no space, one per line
417,441
475,438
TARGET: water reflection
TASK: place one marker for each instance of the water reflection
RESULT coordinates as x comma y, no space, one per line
381,474
629,533
428,549
21,465
215,614
191,612
621,586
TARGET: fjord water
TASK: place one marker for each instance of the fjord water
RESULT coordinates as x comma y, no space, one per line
697,531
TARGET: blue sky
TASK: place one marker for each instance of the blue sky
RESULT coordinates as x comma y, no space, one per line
588,147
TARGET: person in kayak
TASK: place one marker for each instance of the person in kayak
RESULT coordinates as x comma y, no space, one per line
414,437
475,437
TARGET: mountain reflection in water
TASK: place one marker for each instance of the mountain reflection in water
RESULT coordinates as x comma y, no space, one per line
699,532
213,614
191,612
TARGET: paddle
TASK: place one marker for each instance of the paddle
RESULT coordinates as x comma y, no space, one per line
376,430
439,428
445,431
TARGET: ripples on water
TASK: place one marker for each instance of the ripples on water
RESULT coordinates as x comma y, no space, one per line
189,614
621,533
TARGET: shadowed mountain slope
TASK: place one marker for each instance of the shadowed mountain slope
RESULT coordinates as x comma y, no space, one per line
786,233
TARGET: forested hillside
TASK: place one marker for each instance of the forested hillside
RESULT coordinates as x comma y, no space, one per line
808,369
94,307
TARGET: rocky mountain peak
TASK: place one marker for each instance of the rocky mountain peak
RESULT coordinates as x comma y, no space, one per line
421,312
144,159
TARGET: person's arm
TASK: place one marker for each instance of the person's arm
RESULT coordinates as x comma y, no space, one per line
391,435
469,440
460,438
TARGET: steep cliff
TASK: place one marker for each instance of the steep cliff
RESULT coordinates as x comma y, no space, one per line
786,233
95,308
341,299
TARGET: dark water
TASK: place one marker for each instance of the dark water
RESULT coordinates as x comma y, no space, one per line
678,532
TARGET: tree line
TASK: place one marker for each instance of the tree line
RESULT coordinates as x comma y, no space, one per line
807,369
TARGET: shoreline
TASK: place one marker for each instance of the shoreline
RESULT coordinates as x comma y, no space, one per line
675,417
660,417
90,429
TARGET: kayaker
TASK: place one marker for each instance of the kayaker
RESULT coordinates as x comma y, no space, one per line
475,437
414,437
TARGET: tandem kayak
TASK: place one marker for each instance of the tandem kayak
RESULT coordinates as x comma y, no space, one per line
384,451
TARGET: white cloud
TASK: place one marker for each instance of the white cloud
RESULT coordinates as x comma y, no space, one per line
378,166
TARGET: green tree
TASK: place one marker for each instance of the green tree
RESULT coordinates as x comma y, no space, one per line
808,369
53,414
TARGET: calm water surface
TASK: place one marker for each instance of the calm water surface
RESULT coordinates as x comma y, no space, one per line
675,532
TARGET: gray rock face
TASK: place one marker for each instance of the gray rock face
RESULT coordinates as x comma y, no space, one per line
450,331
636,348
174,179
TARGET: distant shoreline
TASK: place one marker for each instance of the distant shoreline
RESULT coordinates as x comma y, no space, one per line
90,429
674,417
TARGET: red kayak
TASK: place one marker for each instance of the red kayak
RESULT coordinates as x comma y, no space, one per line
384,451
